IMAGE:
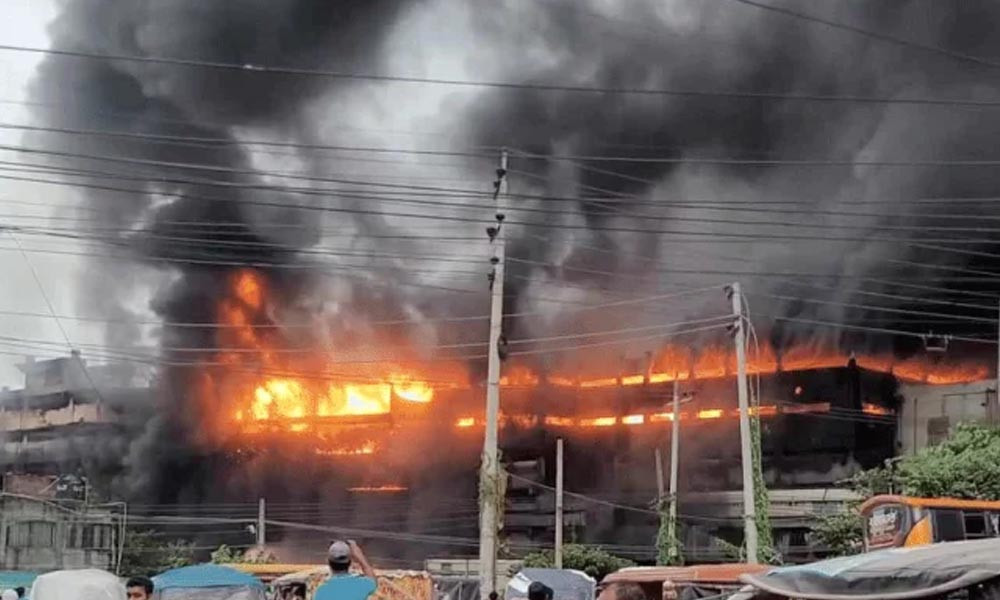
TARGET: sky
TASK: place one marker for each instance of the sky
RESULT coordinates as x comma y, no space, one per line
24,23
710,44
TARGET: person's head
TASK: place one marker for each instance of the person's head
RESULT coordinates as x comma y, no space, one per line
494,596
539,591
20,592
622,591
139,588
339,557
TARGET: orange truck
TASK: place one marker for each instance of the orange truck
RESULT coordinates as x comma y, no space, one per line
906,521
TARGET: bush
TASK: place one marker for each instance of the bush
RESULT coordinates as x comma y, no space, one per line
592,560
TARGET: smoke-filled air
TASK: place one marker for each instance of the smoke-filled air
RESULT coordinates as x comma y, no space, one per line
281,209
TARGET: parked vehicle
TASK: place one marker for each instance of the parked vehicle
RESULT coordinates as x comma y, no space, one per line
903,521
566,584
207,582
82,584
685,583
969,569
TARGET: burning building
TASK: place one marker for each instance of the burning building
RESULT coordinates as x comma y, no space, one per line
411,430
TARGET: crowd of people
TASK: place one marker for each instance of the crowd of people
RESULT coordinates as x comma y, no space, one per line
341,585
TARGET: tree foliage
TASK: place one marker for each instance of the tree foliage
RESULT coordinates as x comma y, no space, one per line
966,465
146,554
224,555
669,550
592,560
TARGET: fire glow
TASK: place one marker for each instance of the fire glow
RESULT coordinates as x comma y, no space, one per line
708,414
674,363
251,344
271,380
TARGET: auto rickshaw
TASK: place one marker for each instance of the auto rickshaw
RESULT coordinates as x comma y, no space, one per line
684,583
968,570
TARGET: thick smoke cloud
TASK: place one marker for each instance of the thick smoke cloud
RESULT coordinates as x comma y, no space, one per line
176,220
729,46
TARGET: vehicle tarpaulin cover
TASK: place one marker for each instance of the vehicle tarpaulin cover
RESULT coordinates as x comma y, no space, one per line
89,584
207,582
894,574
565,583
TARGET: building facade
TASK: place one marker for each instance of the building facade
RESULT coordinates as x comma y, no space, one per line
38,534
928,412
66,413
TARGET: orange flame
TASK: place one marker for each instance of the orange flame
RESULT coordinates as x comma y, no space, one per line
378,489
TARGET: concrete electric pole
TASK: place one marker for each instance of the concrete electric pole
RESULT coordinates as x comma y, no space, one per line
559,503
675,444
261,523
746,452
489,474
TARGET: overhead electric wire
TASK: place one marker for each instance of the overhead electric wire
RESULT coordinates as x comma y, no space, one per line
875,35
368,195
871,307
214,325
312,349
490,152
687,236
540,87
884,330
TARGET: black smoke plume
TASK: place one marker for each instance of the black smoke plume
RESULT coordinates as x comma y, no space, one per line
176,221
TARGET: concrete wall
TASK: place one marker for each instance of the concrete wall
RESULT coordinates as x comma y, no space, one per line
27,420
928,411
37,535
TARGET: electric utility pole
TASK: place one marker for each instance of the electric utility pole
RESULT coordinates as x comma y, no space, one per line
559,503
675,443
261,522
746,453
489,473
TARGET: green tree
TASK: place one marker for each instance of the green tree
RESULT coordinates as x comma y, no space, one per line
226,555
592,560
146,554
966,465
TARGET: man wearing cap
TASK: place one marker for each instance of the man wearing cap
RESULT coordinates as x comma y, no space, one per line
342,584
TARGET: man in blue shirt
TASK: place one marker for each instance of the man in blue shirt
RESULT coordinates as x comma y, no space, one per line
343,585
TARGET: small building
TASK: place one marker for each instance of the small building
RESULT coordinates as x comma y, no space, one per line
68,412
929,411
38,534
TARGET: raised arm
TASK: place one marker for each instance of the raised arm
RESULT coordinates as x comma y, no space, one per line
359,557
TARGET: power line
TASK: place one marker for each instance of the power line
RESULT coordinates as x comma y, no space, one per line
772,238
473,318
899,332
540,87
904,311
875,35
313,349
749,162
